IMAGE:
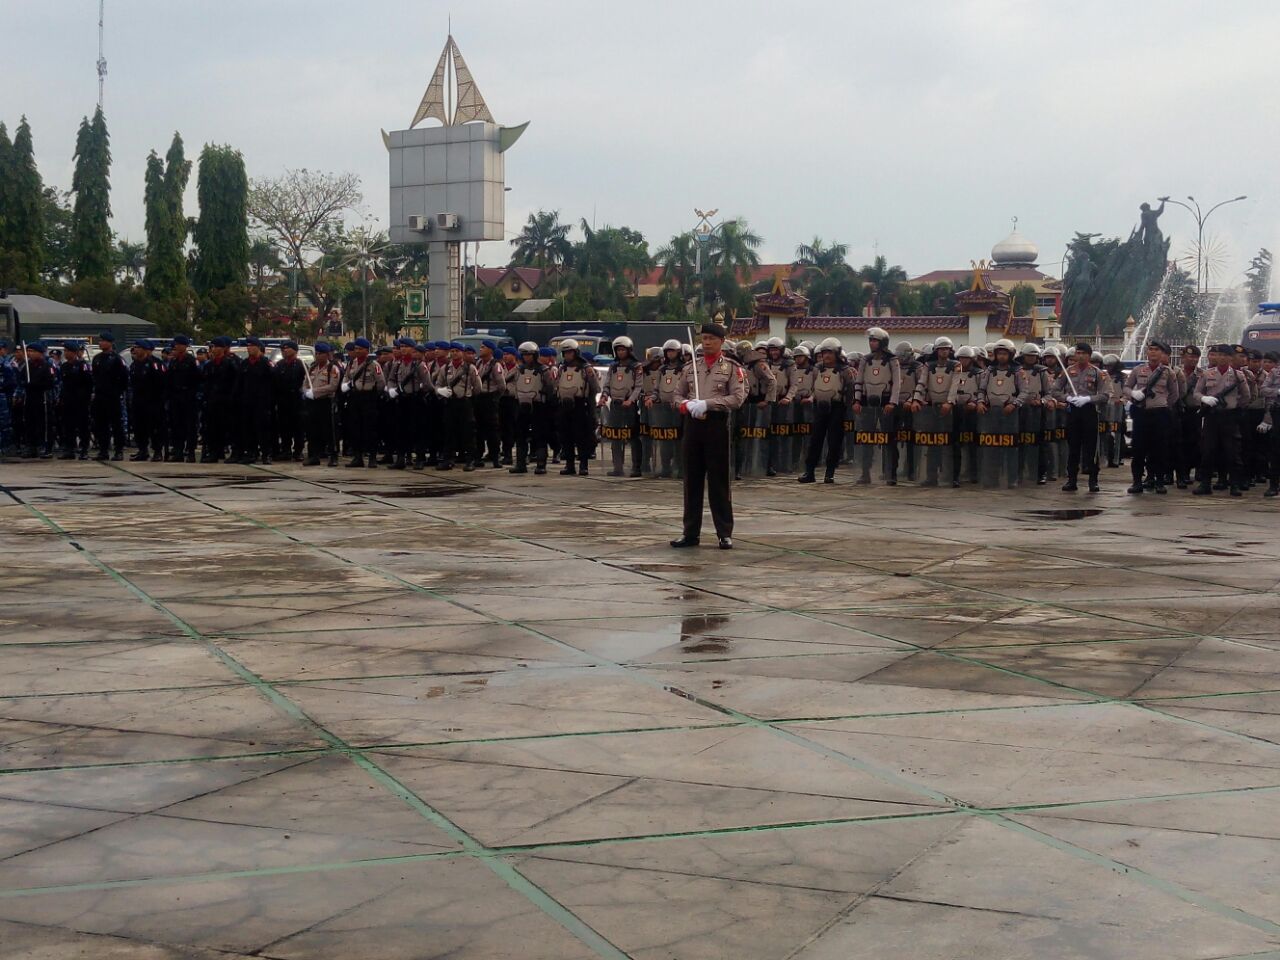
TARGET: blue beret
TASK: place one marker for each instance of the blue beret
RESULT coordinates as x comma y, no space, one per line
586,355
108,336
220,342
468,348
144,344
323,347
73,345
182,338
455,345
291,344
6,343
37,345
489,343
382,351
546,351
360,342
253,342
509,350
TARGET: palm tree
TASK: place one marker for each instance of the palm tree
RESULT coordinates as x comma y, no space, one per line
543,241
883,279
679,260
817,257
131,258
733,248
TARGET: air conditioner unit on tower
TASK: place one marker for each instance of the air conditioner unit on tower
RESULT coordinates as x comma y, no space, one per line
420,224
447,221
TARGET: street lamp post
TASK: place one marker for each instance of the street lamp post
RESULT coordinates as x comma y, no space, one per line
702,233
1201,217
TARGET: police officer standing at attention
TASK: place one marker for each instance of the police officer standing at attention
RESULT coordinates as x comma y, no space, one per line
711,388
77,392
493,384
576,388
1153,390
181,387
288,378
146,412
1084,388
620,398
320,394
110,380
832,386
534,389
254,391
363,382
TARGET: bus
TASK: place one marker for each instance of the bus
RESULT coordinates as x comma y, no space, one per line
1263,331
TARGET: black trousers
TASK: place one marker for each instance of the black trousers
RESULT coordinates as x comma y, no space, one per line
35,421
1152,431
531,434
362,411
576,428
217,427
508,412
486,413
108,422
1253,445
404,425
706,464
1082,441
182,425
828,428
1187,444
321,421
460,430
289,425
75,424
1220,446
257,435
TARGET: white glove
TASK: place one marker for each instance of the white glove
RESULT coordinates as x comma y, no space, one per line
1079,401
697,409
392,392
309,393
1209,402
604,401
346,386
1137,395
1264,427
444,393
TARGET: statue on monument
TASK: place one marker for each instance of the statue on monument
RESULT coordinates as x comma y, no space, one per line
1148,229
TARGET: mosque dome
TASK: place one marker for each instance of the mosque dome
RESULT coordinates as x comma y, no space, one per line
1015,250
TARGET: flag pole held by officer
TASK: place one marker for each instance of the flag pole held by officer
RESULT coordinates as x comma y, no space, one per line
710,389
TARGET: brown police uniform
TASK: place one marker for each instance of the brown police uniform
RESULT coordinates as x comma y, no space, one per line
722,383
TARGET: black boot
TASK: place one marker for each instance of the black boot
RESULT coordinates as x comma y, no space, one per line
829,477
582,468
806,477
1093,483
568,470
1273,489
311,462
138,457
1070,485
118,456
356,462
540,469
399,464
67,455
333,459
1202,489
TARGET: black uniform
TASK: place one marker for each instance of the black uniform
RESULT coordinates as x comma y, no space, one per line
110,380
38,380
182,391
254,390
146,406
220,377
73,405
288,378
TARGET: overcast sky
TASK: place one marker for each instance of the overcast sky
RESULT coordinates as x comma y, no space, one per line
917,128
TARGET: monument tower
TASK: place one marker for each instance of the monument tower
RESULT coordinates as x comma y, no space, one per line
447,182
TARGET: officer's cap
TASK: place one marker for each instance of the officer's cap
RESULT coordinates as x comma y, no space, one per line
509,351
222,341
75,346
181,338
142,343
1236,348
1160,345
1272,356
289,345
1083,347
253,342
1191,349
323,347
6,343
468,348
713,329
382,351
37,345
1255,354
455,345
546,351
492,345
108,336
350,345
360,342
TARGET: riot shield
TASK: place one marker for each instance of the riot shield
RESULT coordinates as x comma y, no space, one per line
902,451
850,435
933,442
781,421
875,435
646,440
966,444
801,430
664,431
998,448
617,428
1030,425
752,449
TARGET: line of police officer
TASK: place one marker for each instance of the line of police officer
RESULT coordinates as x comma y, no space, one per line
994,415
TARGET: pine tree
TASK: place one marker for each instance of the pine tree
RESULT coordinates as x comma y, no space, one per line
6,184
25,203
166,278
91,240
221,234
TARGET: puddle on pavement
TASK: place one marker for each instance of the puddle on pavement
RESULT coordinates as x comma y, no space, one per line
412,492
1206,552
1062,514
708,645
695,630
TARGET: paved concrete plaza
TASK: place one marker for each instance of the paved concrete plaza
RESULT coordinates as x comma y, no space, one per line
360,715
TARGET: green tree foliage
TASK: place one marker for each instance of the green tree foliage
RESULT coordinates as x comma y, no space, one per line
131,259
1258,278
1108,281
678,259
607,262
884,281
91,240
21,210
58,266
221,234
165,281
833,288
486,305
543,241
1022,299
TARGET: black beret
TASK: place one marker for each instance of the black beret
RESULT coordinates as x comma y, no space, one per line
711,328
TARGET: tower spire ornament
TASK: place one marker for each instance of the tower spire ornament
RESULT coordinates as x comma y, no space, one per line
452,74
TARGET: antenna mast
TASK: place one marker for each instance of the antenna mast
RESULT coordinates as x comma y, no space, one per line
102,61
